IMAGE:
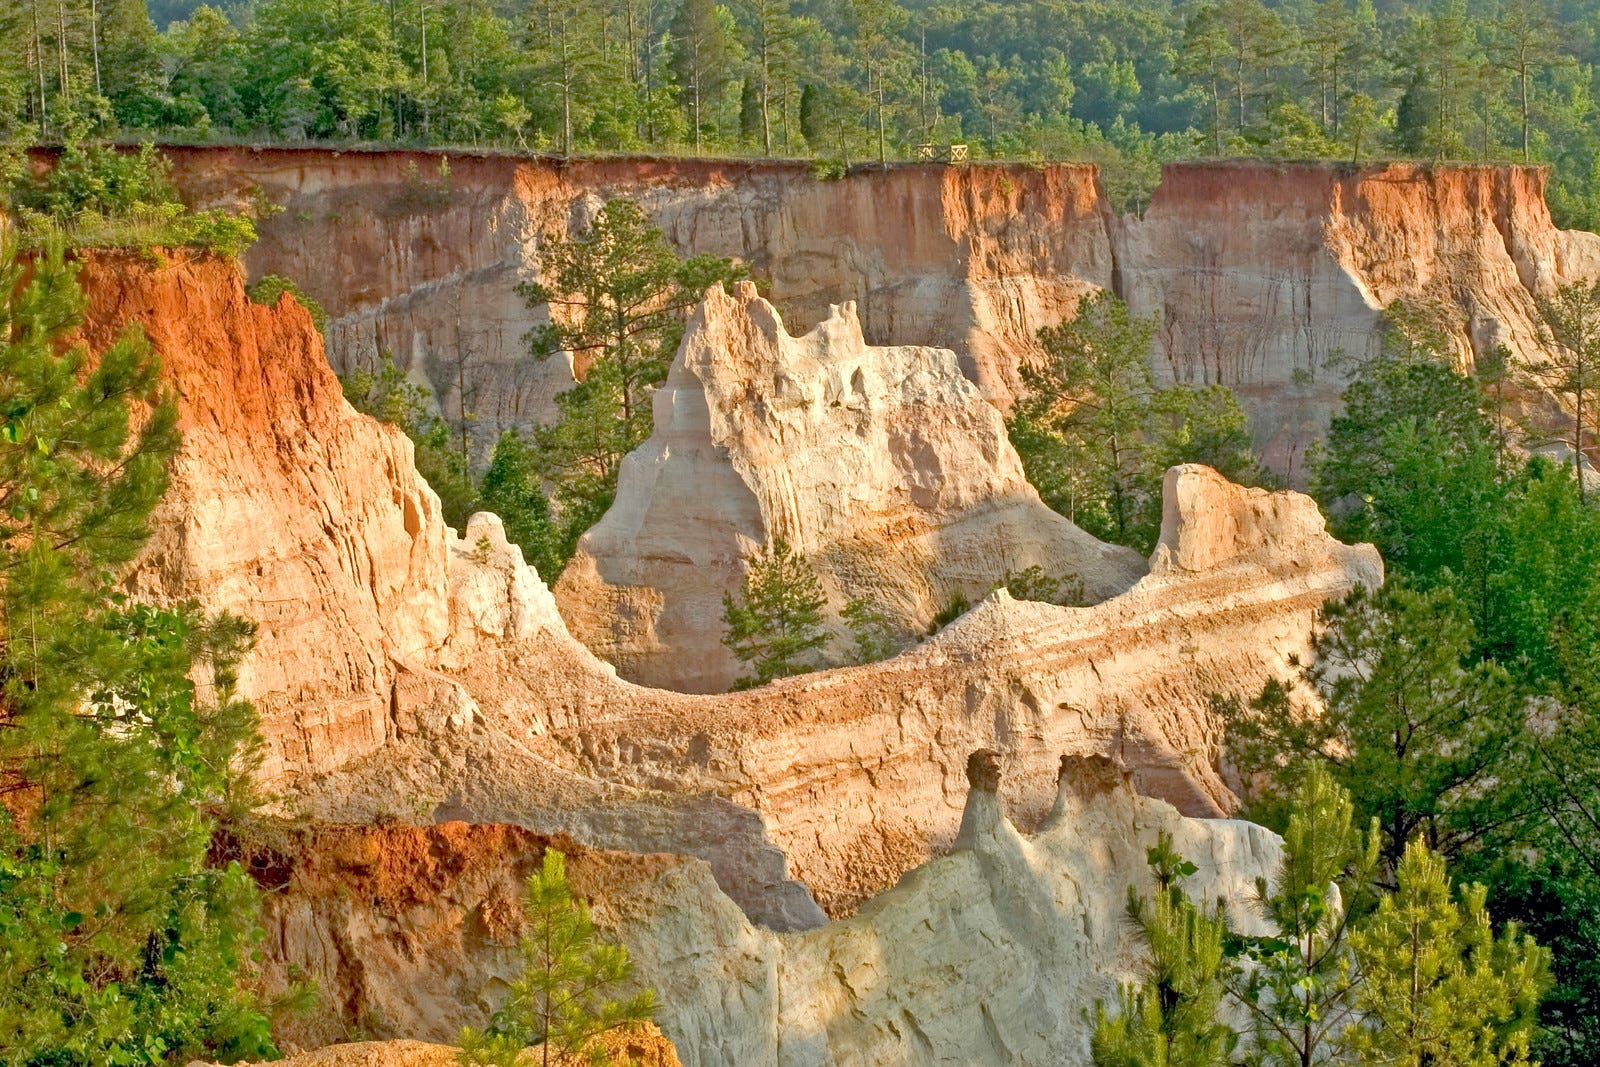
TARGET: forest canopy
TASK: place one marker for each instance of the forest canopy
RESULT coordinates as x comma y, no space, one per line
1127,83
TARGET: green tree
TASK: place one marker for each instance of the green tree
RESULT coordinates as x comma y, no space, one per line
388,395
1170,1016
774,625
1096,435
1527,38
570,991
1439,58
1572,328
1255,37
1439,988
1412,465
618,295
703,56
118,944
511,488
1093,394
1428,747
872,630
1301,987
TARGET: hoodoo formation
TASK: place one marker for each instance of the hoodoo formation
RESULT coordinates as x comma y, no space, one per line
947,852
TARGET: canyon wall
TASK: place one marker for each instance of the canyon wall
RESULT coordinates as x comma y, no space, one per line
845,779
285,507
1261,274
884,467
986,956
402,668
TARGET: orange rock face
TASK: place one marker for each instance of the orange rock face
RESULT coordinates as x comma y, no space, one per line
408,932
286,507
1263,276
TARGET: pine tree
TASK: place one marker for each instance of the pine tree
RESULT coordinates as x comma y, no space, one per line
1428,747
117,943
1439,988
1094,394
511,489
619,295
1572,329
775,623
1301,984
872,630
702,57
571,986
1527,37
1170,1017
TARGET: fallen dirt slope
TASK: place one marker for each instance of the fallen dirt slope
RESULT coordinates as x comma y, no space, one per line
986,956
884,467
1261,274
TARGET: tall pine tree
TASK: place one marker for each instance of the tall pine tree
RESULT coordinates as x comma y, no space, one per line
117,943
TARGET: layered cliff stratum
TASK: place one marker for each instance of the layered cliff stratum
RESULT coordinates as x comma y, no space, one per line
1262,274
884,466
914,861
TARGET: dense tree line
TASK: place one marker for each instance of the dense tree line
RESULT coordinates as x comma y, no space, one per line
1131,83
1457,705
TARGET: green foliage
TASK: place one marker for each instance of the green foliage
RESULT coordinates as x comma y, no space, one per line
619,294
271,286
1571,320
954,608
1170,1017
1034,583
873,632
1096,435
1301,986
511,488
389,395
1474,704
1438,986
118,944
1429,747
96,195
571,988
1126,83
774,625
1412,465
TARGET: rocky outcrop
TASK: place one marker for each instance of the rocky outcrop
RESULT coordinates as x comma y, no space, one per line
986,956
285,507
847,778
402,669
426,263
885,467
1261,274
1271,279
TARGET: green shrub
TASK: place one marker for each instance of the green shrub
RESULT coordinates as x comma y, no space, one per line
271,286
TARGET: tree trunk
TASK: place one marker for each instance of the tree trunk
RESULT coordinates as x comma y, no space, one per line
38,64
94,43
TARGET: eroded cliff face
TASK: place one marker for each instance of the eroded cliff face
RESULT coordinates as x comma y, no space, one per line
971,259
847,778
404,669
885,467
1271,279
1260,273
286,507
986,956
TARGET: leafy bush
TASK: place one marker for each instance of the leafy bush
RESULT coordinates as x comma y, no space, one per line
271,286
98,196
